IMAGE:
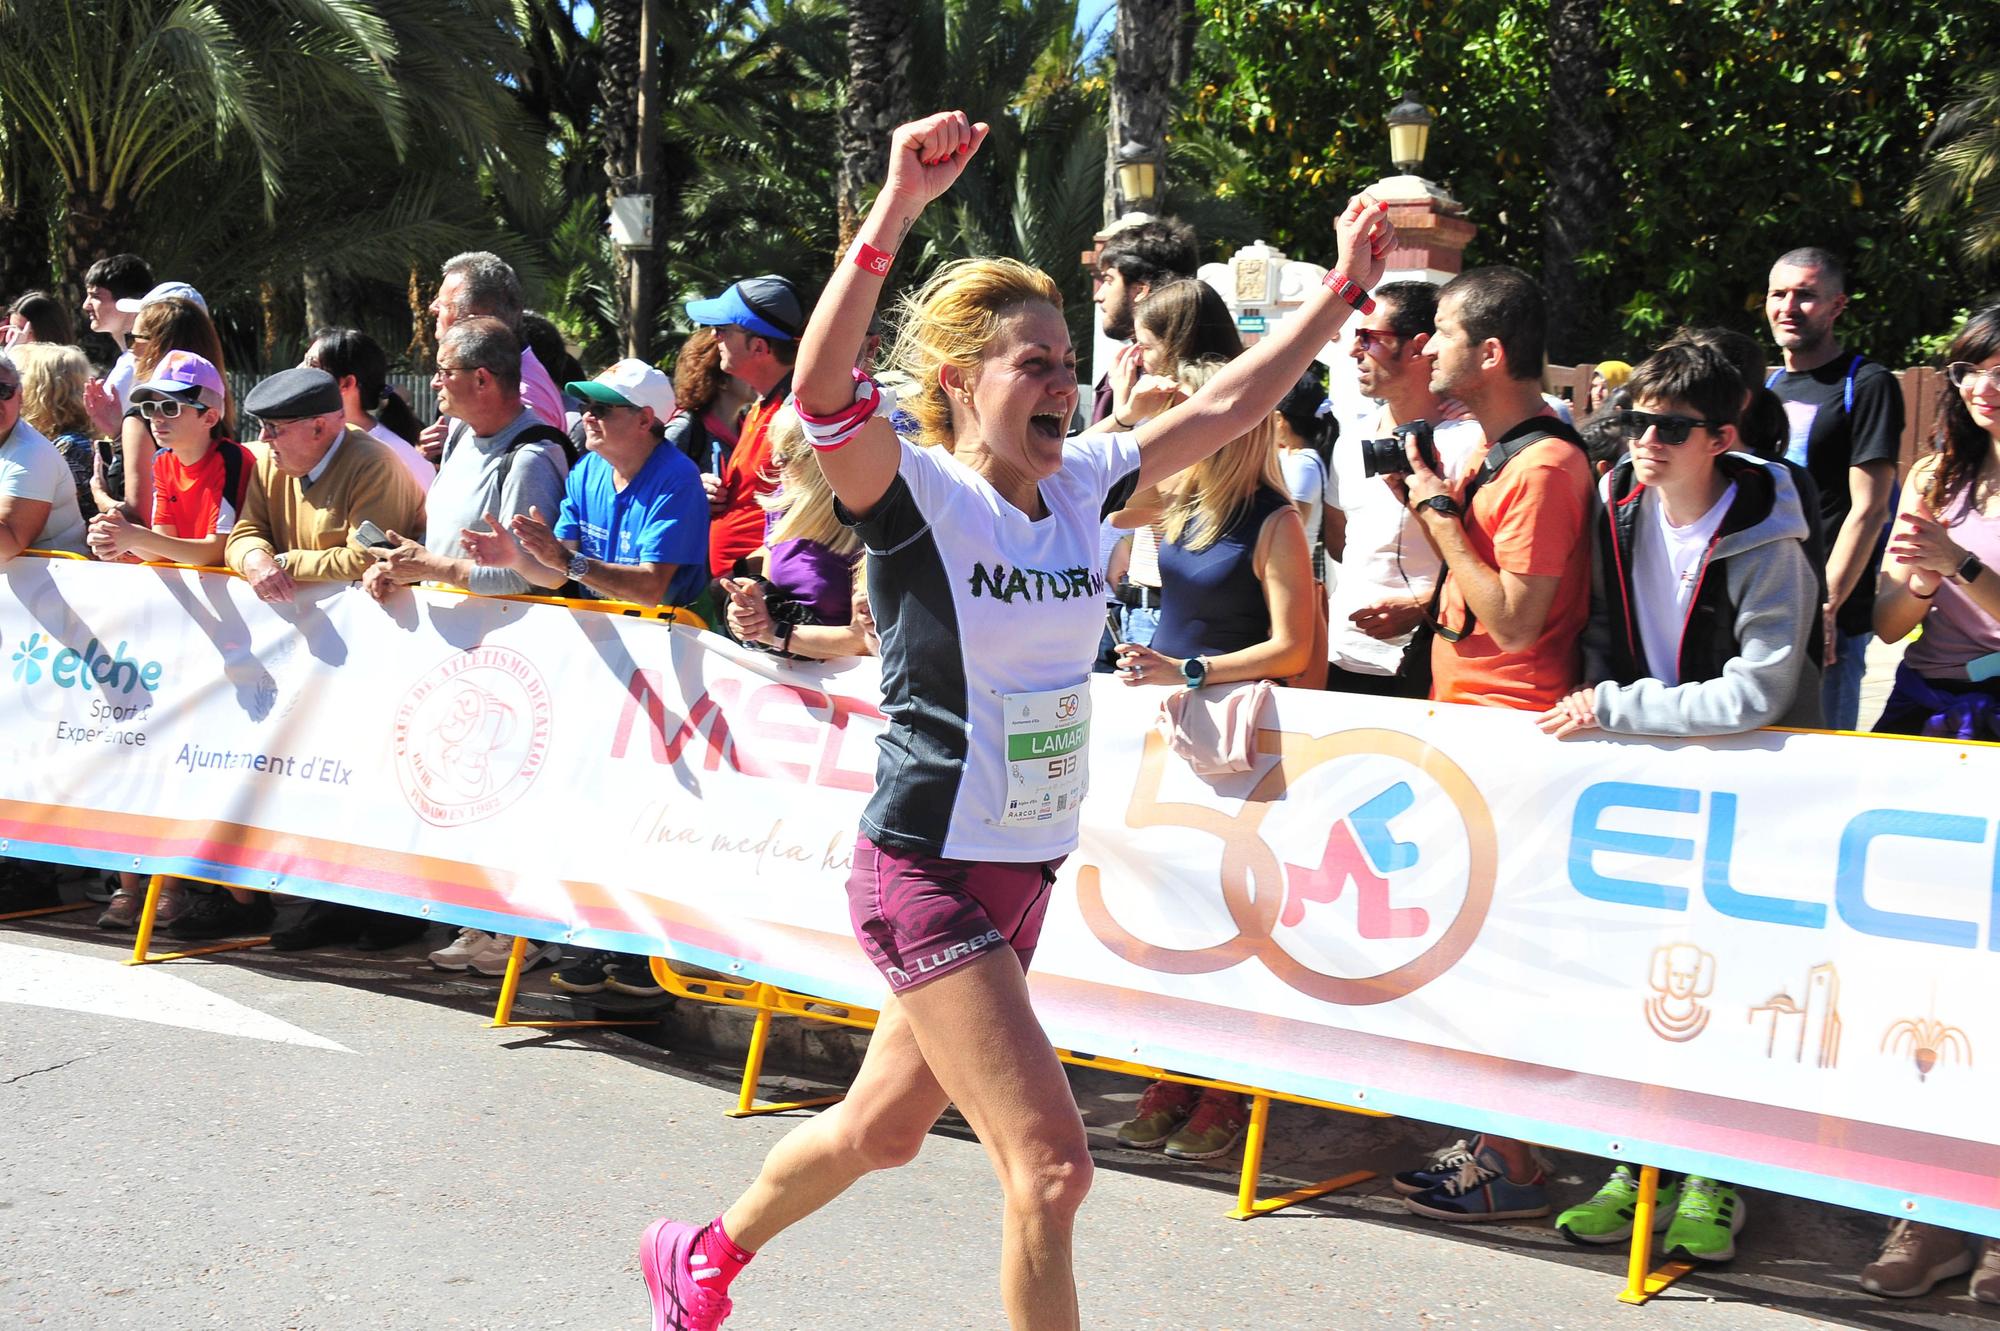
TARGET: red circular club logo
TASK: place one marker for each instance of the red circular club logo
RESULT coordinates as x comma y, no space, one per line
471,736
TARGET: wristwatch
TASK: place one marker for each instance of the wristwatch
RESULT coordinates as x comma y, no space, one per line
1195,671
579,564
1444,504
1969,570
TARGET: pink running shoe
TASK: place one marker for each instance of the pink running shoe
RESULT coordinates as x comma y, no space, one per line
679,1304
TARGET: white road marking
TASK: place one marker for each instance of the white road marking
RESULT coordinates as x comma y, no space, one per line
38,977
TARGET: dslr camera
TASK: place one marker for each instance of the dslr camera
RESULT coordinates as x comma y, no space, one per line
1387,457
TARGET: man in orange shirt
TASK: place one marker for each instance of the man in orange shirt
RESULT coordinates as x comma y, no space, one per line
1512,604
757,322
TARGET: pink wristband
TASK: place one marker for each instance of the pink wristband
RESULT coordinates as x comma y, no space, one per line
869,259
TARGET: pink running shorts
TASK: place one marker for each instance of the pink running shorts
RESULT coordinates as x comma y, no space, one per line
919,917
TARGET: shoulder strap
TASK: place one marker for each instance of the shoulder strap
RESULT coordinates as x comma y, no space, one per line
1497,458
232,473
1847,390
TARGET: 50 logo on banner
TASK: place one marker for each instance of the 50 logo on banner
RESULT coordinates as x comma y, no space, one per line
1373,908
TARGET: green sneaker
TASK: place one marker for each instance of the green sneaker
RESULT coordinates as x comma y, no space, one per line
1607,1217
1163,1108
1706,1222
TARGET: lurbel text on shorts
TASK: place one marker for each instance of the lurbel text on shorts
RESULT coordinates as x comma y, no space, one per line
1035,584
923,966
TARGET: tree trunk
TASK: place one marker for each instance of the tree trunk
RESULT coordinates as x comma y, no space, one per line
878,100
91,232
1152,47
322,310
628,92
1582,180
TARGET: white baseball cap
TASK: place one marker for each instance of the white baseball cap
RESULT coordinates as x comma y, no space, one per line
628,383
163,291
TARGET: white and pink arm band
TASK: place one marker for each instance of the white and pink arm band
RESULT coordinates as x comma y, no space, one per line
826,433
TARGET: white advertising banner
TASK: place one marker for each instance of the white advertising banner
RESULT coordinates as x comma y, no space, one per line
1772,958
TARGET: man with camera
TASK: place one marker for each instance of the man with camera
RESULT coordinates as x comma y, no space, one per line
1383,568
1510,608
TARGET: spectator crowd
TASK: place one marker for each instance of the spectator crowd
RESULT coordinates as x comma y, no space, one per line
1707,544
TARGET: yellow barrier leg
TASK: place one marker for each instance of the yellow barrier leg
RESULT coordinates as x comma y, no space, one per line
1640,1283
33,911
753,1066
1248,1205
143,940
510,986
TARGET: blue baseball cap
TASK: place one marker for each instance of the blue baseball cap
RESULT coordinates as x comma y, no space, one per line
768,306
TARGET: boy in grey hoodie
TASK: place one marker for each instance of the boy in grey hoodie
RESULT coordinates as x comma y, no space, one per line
1705,609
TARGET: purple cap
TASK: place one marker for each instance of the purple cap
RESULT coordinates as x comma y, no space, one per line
184,376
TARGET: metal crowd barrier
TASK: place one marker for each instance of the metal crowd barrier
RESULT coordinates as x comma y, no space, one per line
767,1001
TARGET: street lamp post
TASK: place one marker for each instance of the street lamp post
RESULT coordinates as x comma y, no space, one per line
1138,177
1409,134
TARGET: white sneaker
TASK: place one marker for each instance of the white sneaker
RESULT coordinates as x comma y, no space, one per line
458,954
492,959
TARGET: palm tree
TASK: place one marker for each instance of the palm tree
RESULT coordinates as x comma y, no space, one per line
877,99
1582,167
1961,180
120,97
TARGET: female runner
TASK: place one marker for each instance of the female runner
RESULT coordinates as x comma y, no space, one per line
984,578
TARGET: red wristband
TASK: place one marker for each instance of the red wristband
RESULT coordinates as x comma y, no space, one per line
869,259
1349,290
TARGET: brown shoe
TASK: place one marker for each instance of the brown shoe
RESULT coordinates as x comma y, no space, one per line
1915,1258
173,900
123,910
1986,1276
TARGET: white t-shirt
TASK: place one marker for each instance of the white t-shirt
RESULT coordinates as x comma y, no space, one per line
1305,479
123,371
32,468
990,623
407,453
1386,553
1666,565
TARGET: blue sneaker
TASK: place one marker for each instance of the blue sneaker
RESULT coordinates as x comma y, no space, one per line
1444,1163
1481,1191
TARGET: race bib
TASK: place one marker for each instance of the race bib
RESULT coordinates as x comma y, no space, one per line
1048,753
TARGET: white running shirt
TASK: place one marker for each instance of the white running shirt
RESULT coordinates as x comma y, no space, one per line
989,623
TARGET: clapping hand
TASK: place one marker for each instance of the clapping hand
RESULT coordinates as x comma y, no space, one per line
749,615
492,548
1922,542
533,532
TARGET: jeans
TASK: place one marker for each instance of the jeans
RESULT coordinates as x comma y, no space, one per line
1840,686
1141,623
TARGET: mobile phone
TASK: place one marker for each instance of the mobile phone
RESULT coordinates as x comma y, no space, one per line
1117,629
111,462
372,537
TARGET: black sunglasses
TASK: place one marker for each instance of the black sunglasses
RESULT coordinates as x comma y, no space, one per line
1667,429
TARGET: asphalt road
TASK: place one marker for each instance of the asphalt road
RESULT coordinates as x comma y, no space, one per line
337,1141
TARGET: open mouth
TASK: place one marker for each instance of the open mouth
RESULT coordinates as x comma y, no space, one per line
1048,424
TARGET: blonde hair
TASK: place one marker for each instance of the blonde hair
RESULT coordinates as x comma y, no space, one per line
52,380
1214,492
802,501
951,320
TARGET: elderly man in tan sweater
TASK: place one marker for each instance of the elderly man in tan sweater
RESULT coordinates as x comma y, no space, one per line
319,478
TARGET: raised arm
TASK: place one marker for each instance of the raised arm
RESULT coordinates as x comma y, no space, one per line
925,158
1244,393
